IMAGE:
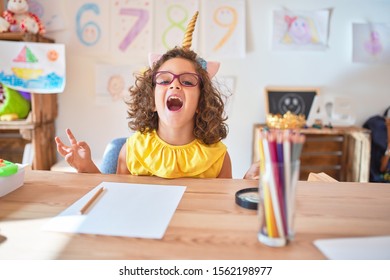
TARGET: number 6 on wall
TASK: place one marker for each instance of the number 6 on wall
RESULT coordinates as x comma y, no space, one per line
89,33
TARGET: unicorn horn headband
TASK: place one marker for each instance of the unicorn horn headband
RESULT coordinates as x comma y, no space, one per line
187,41
210,66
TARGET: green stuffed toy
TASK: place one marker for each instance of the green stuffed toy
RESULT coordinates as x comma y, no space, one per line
14,106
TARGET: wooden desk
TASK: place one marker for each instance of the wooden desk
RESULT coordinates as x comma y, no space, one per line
206,225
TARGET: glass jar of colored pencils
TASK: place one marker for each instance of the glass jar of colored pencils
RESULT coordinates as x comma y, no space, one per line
279,152
277,202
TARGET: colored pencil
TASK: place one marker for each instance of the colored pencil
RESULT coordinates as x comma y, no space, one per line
268,207
273,188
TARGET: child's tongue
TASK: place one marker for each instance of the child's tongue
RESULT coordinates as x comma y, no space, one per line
174,104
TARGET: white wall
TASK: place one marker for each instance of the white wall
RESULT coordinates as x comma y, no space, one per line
332,71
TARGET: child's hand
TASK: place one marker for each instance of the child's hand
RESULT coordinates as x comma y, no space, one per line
253,172
77,155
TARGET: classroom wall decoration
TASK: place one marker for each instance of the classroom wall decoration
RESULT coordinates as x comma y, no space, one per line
171,19
89,26
49,13
132,32
223,27
300,30
113,82
371,42
133,28
33,67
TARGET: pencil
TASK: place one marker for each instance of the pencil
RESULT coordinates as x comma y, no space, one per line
270,222
272,141
92,200
287,175
273,188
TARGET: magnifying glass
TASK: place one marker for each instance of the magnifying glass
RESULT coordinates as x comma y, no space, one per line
248,198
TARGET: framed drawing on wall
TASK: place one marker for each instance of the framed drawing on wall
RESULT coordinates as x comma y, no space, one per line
296,100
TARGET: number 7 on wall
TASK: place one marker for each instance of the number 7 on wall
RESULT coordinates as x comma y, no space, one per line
142,20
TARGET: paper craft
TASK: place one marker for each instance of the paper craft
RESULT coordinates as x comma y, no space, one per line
371,42
131,28
170,23
130,210
112,82
300,30
362,248
223,29
33,67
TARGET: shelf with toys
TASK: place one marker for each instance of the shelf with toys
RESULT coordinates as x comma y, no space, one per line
27,37
36,127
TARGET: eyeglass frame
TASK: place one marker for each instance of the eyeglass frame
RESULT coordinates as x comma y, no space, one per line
176,77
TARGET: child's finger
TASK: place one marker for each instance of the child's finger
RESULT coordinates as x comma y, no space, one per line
61,148
71,137
60,143
69,158
83,145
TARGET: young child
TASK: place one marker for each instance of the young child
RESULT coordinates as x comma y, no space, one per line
178,116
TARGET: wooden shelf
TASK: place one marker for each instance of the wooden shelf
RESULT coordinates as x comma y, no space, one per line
17,124
341,152
26,37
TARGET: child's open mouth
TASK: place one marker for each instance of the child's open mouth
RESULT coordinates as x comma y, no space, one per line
174,103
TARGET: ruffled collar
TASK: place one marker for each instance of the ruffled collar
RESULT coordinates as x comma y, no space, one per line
170,161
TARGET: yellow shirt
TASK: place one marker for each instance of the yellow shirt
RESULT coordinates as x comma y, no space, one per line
148,154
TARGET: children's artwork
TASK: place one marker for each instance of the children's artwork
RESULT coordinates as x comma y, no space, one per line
171,19
33,67
131,22
300,30
113,82
49,12
371,43
223,26
89,26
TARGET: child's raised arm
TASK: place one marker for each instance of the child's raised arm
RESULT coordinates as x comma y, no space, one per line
77,155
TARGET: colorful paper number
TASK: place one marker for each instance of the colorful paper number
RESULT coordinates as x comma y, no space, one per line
143,17
226,17
88,33
174,24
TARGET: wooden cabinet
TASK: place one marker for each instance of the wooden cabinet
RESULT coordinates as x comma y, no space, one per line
38,128
341,152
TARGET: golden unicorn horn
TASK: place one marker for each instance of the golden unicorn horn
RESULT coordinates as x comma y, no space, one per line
187,41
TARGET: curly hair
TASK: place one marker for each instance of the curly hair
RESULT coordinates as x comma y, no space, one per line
210,126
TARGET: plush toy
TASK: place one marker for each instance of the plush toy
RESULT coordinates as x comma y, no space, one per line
20,19
12,104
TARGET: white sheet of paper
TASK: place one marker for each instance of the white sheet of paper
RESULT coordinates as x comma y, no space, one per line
358,248
130,210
